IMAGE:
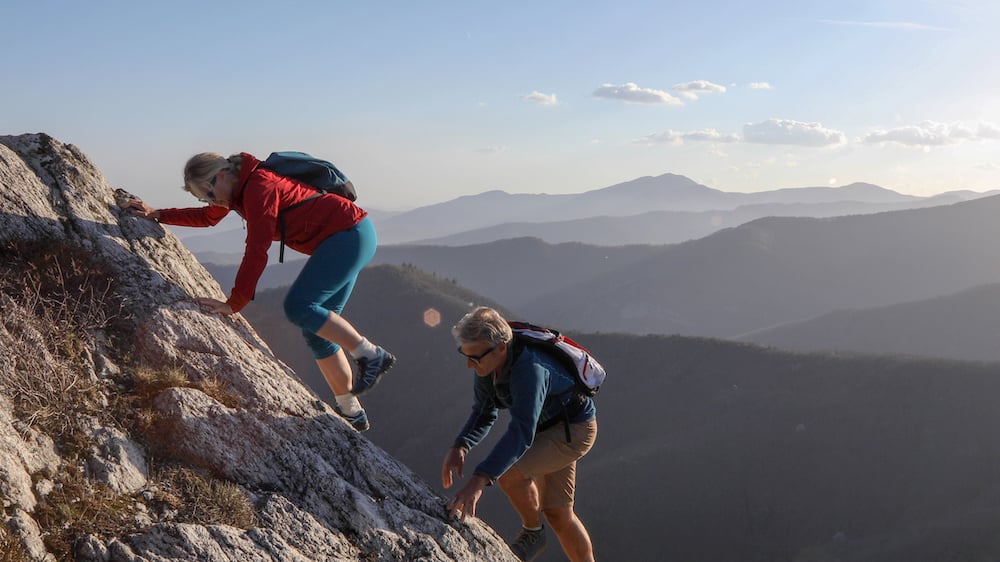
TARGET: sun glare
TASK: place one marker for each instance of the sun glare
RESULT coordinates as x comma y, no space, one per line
432,317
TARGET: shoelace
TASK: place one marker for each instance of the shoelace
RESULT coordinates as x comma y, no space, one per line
528,538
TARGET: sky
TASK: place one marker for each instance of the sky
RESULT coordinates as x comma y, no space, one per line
423,102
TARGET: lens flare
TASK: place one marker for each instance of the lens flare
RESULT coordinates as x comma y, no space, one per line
432,317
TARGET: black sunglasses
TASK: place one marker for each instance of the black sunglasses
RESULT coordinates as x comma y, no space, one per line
476,358
210,194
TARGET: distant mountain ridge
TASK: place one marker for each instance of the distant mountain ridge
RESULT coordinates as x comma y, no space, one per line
667,192
776,270
612,216
752,277
964,325
669,227
540,267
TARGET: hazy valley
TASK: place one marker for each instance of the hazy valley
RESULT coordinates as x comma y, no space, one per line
708,450
740,452
770,272
729,451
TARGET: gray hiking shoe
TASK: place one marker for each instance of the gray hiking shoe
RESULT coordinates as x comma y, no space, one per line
370,371
529,544
358,421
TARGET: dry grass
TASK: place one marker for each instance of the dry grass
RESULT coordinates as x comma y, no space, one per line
65,286
197,498
219,390
149,382
57,305
135,406
11,549
46,388
57,301
78,507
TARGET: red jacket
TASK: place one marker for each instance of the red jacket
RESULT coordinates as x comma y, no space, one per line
258,197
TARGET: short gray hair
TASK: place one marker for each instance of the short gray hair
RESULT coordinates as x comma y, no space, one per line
483,324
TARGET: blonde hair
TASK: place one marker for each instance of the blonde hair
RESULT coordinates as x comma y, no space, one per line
202,167
483,324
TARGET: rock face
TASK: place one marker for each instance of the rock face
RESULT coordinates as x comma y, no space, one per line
318,489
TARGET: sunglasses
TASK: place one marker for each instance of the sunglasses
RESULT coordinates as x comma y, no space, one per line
210,194
476,358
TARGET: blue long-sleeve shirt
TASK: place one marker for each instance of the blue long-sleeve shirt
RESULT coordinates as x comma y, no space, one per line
535,386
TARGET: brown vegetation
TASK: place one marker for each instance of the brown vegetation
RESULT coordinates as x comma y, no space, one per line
11,549
198,498
59,310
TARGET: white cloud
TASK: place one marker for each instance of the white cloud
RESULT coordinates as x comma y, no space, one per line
690,90
541,99
679,137
887,25
932,133
960,131
666,137
760,86
988,131
632,93
493,149
710,135
912,135
786,131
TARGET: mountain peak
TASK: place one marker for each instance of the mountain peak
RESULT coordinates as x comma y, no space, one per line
668,181
864,187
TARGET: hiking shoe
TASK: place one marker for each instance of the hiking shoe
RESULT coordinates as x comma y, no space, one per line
371,370
529,544
358,421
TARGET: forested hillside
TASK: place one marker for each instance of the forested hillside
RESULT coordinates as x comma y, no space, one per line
719,450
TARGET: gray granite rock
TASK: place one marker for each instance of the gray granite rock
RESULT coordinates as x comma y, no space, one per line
321,491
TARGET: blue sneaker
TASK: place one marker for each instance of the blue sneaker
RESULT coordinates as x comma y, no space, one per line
358,421
370,371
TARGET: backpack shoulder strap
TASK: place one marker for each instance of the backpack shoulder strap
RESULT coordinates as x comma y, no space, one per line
549,348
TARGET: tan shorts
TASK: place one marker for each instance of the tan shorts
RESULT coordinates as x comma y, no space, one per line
551,461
